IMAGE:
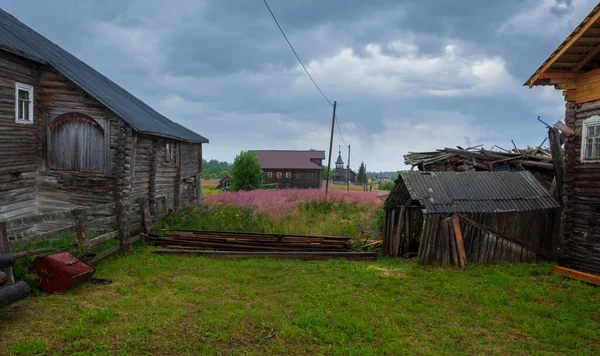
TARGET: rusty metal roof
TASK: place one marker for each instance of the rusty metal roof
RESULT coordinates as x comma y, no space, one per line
19,39
472,192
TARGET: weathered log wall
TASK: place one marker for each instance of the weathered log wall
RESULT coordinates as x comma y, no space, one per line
581,248
166,172
69,189
143,167
19,143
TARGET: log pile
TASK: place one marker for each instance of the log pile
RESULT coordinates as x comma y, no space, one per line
244,245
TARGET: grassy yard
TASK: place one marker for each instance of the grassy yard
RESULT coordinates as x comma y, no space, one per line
186,305
177,305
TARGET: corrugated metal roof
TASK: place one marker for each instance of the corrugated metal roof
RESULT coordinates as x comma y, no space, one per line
472,192
16,37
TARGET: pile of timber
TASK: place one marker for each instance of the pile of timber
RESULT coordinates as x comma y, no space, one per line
244,245
537,159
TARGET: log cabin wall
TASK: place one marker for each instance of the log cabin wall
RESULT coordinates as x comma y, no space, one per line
190,168
20,147
166,173
582,193
59,185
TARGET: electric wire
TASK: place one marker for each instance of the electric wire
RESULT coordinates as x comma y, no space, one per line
296,54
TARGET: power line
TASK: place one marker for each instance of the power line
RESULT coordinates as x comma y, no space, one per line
340,132
296,54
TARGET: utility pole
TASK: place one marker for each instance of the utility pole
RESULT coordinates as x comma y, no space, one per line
348,170
330,148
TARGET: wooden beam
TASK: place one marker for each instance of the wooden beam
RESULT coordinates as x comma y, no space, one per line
5,248
564,47
462,255
578,275
558,75
591,54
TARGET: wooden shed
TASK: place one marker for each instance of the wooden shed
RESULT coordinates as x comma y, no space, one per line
70,137
574,68
451,218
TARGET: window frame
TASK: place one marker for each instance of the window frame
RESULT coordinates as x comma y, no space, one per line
269,174
590,121
288,175
28,88
279,175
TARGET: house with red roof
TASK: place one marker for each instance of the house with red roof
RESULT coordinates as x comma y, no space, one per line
291,168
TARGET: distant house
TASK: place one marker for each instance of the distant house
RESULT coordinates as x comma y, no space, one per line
341,174
224,183
292,169
70,137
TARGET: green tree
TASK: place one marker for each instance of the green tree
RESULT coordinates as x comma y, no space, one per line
245,173
223,174
361,178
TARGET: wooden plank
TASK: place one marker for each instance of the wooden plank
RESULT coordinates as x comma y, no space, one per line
462,255
105,237
271,254
112,250
581,276
524,244
5,248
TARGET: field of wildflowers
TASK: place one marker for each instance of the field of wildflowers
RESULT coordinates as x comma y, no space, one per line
290,211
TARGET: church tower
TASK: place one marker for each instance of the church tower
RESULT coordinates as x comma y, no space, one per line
339,164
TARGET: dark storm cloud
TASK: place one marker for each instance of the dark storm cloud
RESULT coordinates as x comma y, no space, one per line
408,75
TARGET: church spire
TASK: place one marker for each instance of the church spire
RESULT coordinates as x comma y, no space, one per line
339,164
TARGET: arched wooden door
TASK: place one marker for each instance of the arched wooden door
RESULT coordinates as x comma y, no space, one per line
77,142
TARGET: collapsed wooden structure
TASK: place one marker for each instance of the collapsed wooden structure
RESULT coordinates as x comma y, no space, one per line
71,138
537,160
573,68
244,245
452,218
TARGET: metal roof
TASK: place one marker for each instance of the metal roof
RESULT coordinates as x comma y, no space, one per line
473,192
19,39
282,159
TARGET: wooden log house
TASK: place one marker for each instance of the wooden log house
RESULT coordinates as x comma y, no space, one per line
574,68
455,218
70,137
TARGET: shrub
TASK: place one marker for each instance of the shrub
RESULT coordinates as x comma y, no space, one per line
386,186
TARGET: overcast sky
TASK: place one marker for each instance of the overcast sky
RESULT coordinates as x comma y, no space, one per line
407,75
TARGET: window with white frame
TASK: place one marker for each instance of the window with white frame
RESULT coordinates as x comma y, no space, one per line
590,139
169,151
269,174
23,103
279,175
288,174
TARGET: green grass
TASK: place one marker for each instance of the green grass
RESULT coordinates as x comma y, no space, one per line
312,218
187,305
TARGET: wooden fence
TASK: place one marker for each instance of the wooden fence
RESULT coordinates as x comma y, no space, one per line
109,221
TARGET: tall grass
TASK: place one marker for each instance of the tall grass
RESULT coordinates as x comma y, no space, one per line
303,212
